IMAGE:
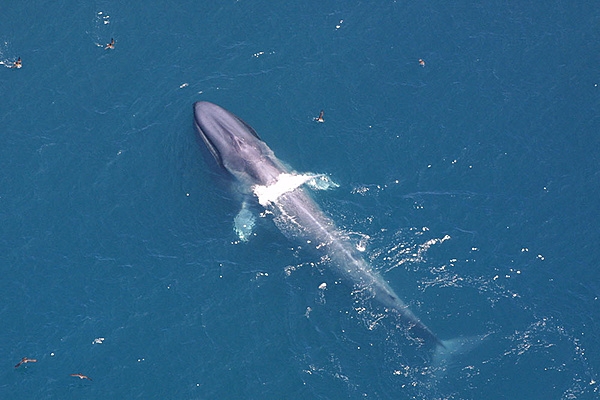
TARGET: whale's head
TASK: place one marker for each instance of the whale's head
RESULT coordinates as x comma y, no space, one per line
235,145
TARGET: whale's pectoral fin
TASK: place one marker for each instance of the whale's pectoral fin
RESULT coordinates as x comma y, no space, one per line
243,223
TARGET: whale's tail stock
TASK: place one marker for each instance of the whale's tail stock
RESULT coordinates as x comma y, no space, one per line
449,353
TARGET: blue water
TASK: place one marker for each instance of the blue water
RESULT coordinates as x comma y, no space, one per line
473,180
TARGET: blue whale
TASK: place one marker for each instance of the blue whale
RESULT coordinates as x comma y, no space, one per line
239,150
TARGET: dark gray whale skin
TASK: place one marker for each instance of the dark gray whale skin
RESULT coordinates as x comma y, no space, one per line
240,151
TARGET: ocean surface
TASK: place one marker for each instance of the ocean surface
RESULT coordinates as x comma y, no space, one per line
471,184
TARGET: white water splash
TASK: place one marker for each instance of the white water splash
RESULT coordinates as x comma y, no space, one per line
322,182
288,182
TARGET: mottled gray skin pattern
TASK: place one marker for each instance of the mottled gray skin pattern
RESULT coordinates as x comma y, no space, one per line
238,149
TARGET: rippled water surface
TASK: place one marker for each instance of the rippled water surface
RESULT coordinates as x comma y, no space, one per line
469,181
